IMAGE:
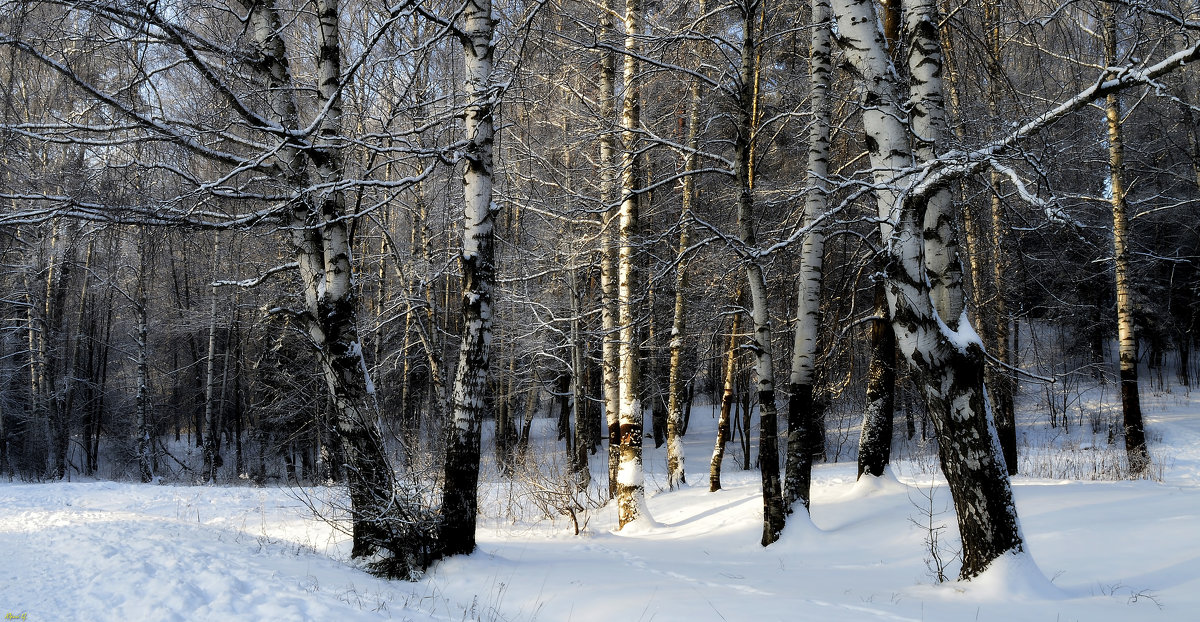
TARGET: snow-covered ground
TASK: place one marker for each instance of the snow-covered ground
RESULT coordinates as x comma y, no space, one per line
1103,551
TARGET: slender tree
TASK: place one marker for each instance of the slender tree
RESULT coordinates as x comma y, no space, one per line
456,533
630,485
801,408
1135,432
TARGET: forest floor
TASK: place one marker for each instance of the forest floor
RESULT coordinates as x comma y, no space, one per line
1100,550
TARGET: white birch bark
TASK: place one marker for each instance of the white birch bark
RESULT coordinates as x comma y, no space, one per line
1135,434
949,361
459,496
927,116
676,475
610,363
801,414
212,445
723,432
760,340
320,240
630,486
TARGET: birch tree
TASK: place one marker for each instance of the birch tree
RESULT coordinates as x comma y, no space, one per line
294,166
801,415
676,474
943,348
631,492
1135,433
610,357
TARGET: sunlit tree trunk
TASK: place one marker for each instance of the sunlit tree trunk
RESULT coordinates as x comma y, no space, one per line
459,494
760,339
1135,433
802,416
610,363
630,486
947,353
320,241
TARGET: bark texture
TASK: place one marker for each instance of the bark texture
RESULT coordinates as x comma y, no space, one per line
456,534
1135,432
945,351
875,438
774,514
802,416
630,485
608,258
723,426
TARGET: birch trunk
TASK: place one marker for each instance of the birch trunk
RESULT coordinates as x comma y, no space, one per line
630,486
1135,432
212,445
580,466
927,119
875,438
723,432
676,475
456,533
801,412
1002,385
142,424
71,387
760,340
610,363
320,242
946,354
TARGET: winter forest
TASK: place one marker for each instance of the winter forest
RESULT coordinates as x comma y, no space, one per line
432,269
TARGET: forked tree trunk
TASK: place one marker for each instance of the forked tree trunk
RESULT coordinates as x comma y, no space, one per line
946,354
1135,432
320,242
456,533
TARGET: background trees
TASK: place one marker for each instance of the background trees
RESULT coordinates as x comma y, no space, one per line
244,224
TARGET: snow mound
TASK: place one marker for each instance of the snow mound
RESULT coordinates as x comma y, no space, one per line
869,485
1012,576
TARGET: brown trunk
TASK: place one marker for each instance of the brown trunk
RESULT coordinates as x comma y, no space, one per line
875,440
714,471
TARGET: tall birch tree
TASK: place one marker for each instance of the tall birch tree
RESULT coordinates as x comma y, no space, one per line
943,349
1135,433
631,492
801,409
456,533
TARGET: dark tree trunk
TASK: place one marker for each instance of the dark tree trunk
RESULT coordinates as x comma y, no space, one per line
875,441
798,472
